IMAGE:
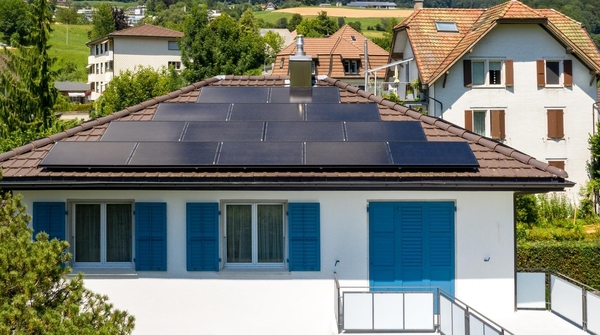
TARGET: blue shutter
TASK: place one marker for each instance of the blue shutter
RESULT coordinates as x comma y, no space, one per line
441,245
304,220
382,246
151,236
202,221
49,217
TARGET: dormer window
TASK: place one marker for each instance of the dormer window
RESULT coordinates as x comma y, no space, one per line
351,66
446,27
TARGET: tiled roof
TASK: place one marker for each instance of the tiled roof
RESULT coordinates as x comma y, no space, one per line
144,30
500,165
346,43
435,52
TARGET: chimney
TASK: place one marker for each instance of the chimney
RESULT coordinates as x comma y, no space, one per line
300,66
418,4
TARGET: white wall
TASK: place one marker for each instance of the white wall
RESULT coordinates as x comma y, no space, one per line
132,52
228,302
526,104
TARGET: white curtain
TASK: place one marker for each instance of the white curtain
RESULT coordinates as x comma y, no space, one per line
118,233
87,233
270,233
239,234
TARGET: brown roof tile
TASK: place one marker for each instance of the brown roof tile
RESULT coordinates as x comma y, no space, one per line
147,30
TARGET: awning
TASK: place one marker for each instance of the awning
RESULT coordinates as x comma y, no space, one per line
76,94
88,66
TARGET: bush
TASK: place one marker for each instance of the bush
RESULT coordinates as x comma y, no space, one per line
82,107
527,210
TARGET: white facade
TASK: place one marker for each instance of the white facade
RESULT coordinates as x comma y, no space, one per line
271,301
525,104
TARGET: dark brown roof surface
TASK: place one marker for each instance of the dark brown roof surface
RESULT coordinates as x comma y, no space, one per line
147,30
499,164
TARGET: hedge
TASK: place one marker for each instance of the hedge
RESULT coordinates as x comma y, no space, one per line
579,260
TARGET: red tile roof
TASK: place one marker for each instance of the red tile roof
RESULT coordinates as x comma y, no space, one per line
144,30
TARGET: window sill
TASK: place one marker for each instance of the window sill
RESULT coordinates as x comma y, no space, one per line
105,273
251,273
489,86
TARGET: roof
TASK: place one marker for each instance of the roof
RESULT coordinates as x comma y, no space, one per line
71,86
144,30
288,37
500,167
370,4
435,52
346,43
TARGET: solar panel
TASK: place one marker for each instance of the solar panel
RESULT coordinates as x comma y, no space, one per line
216,94
168,154
304,131
224,131
88,154
433,154
342,112
312,95
139,131
261,153
346,153
267,112
385,131
173,111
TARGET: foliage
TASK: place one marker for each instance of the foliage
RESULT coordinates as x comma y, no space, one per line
69,15
69,71
294,21
21,137
281,22
103,22
356,25
320,26
15,22
171,18
119,18
527,209
133,87
274,43
35,295
75,52
593,165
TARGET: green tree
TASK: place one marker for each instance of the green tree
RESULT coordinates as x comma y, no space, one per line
35,295
119,18
274,43
15,22
593,165
320,26
281,22
356,25
294,21
133,87
103,22
69,15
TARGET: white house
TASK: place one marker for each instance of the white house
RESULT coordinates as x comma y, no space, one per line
126,49
524,77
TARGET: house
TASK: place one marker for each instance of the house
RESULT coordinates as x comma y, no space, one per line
122,50
525,77
241,204
340,56
270,6
77,92
372,4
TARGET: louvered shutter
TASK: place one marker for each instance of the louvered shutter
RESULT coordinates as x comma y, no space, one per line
151,236
557,164
440,217
555,123
467,77
202,221
49,217
304,236
568,73
498,131
469,120
508,69
382,245
541,73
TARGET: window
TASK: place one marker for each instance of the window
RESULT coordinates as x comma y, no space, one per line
313,67
254,234
351,66
446,27
281,63
173,45
103,234
555,123
554,73
486,72
477,121
175,65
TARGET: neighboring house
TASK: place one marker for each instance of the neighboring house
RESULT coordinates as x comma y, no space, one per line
372,4
340,56
135,14
288,38
87,12
213,14
231,205
524,77
270,6
126,49
77,92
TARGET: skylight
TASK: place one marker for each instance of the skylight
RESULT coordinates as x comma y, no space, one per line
447,27
353,37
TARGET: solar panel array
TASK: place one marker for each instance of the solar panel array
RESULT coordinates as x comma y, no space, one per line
263,127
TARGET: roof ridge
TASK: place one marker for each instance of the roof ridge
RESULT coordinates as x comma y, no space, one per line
103,120
452,128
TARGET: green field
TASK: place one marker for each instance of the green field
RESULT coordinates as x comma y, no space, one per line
75,50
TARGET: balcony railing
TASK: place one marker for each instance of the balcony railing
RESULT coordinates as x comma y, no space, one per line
570,299
408,309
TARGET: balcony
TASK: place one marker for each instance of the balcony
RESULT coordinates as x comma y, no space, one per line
404,91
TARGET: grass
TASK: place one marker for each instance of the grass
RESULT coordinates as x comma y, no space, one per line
75,50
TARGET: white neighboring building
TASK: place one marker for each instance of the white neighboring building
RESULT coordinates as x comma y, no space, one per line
126,49
524,77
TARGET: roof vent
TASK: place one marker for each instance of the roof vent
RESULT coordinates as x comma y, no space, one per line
300,66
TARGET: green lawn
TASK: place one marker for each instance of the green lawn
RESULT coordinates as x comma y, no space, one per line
75,50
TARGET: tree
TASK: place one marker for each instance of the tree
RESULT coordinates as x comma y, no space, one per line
320,26
133,87
295,20
593,165
35,295
15,22
69,16
103,22
281,22
274,43
119,18
356,25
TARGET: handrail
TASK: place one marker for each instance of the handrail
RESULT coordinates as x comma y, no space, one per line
552,271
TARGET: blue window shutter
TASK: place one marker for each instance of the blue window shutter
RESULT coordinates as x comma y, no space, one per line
151,236
441,245
304,221
382,247
202,221
49,217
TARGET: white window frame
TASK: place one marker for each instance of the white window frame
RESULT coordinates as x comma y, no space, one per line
72,205
352,65
254,263
561,72
487,130
486,72
175,64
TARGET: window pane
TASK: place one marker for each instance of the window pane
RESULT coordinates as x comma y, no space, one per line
239,234
495,73
87,233
270,233
118,233
478,73
347,66
479,122
552,73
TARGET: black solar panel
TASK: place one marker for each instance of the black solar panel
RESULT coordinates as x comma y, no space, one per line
346,153
313,95
224,131
88,154
342,112
304,131
168,154
139,131
261,153
267,112
385,131
215,94
433,154
172,111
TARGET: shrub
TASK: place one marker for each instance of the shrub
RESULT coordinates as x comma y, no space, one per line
527,209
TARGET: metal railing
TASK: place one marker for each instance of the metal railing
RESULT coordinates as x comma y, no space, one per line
564,296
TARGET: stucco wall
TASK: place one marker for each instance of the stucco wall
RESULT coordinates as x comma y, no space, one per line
526,104
229,302
132,52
